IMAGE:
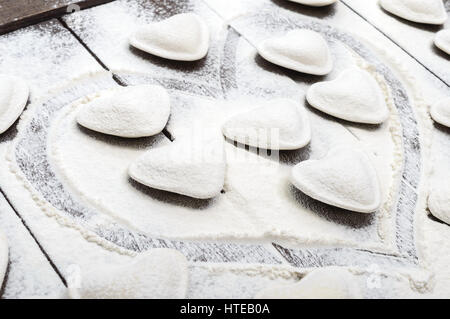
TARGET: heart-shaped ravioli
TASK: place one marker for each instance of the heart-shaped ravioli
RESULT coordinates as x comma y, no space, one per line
345,178
439,201
182,37
134,111
323,283
280,124
3,257
442,40
440,112
13,99
196,170
315,3
421,11
353,96
156,274
300,50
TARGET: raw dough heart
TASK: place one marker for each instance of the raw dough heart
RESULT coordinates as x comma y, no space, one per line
281,124
3,257
440,112
13,98
183,170
442,40
353,96
133,111
421,11
156,274
439,201
345,178
326,283
183,37
315,3
301,50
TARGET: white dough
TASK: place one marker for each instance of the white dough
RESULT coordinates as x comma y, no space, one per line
315,3
183,37
177,168
353,96
134,111
300,50
4,252
440,112
322,283
280,124
421,11
345,178
442,40
439,200
157,274
13,98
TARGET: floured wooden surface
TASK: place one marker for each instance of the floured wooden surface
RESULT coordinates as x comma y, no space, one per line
415,38
210,77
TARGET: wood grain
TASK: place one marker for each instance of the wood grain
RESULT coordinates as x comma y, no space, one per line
15,14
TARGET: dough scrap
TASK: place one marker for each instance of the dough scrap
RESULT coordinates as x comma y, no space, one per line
442,40
322,283
14,94
4,255
280,124
420,11
300,50
133,111
159,273
353,96
197,171
440,112
344,178
182,37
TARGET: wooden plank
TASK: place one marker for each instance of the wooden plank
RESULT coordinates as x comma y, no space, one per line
15,14
414,38
45,55
29,272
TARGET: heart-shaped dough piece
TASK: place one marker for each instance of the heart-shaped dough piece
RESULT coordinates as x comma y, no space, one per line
182,37
421,11
13,98
345,178
315,3
4,253
439,201
133,111
440,112
325,283
198,171
280,124
442,40
300,50
157,274
353,96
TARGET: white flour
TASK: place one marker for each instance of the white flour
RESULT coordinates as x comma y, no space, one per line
384,144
